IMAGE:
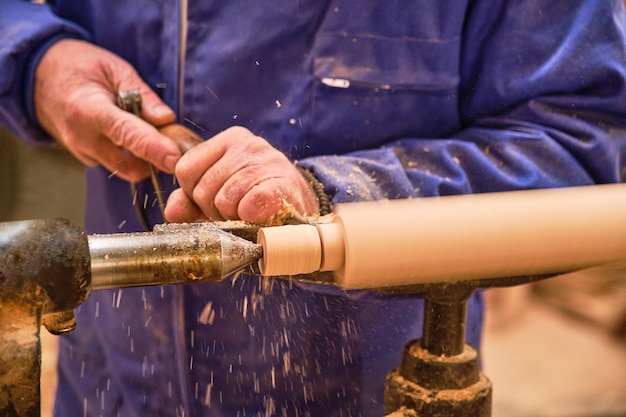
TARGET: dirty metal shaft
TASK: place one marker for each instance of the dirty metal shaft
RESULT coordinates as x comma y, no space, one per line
172,254
445,308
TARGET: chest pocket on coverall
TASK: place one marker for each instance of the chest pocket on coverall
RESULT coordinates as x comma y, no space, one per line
383,72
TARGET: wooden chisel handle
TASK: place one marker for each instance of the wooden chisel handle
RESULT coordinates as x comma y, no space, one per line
183,137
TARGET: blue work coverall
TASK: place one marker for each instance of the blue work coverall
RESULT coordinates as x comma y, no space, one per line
380,100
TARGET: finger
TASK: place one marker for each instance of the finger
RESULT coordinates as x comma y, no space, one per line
122,163
230,194
180,208
201,173
153,110
203,196
99,150
194,164
138,137
265,202
278,198
133,133
204,155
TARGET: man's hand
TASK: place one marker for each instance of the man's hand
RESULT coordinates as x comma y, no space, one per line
237,175
75,94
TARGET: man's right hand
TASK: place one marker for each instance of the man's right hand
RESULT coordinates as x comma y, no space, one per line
75,94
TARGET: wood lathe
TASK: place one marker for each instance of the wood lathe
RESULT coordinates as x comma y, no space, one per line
443,247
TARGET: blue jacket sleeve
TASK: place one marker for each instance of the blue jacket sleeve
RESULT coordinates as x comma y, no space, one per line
26,31
542,103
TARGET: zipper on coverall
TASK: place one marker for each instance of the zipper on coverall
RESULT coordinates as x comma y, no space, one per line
178,300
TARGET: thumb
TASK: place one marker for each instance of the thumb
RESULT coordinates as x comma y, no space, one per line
153,109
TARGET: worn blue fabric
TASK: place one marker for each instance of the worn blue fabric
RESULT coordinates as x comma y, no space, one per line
381,100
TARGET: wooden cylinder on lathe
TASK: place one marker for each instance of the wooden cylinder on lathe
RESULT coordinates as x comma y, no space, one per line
457,238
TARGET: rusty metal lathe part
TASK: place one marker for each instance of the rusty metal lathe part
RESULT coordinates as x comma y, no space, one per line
44,272
439,373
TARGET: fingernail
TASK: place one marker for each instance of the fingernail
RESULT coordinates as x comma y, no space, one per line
170,162
160,110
